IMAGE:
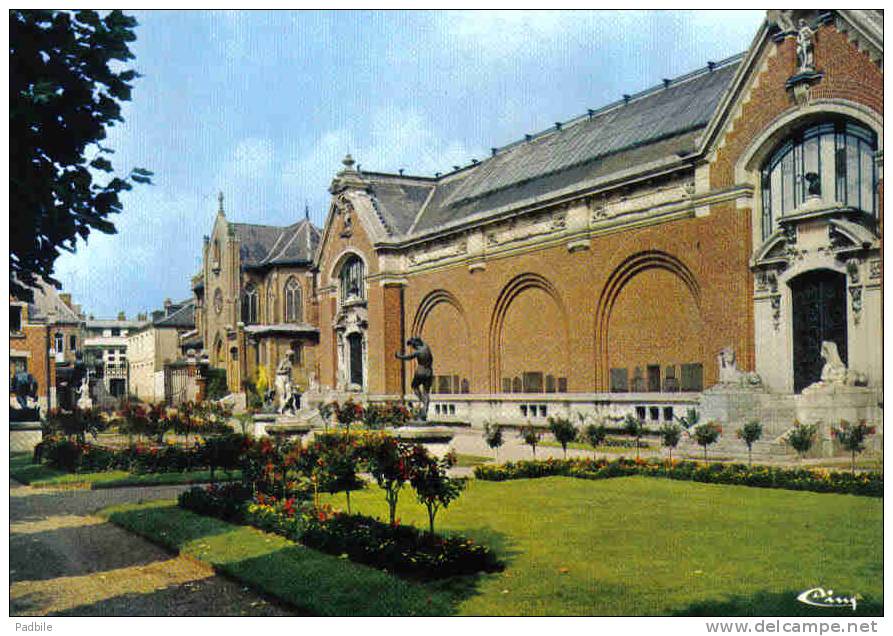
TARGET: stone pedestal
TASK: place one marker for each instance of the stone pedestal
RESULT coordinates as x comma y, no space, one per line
24,436
828,404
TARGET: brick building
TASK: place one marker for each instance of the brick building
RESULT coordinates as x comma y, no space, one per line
607,261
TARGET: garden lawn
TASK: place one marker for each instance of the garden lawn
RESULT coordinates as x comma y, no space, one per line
311,581
42,476
647,546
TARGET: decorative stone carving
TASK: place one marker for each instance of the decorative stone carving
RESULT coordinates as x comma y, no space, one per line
805,48
345,208
874,270
559,221
731,376
438,252
775,301
835,372
766,281
852,269
856,296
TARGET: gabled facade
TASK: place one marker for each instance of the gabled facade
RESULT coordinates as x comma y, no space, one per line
255,299
609,260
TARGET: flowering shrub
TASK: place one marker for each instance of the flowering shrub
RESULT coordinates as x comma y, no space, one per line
433,487
226,501
399,549
382,414
75,424
348,413
391,462
852,438
817,480
801,437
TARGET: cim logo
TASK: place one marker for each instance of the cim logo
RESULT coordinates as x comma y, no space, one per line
820,597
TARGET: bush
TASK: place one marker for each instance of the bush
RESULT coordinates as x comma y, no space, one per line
216,384
225,501
564,431
399,549
531,437
595,434
801,437
867,484
635,428
670,434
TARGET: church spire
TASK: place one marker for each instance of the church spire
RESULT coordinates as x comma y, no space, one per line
220,203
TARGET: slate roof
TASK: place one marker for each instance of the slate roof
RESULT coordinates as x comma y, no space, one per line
267,245
49,306
658,123
181,316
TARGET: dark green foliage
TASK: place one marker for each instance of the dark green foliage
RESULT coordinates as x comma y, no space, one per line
670,434
595,434
216,387
706,434
801,437
750,433
635,428
67,80
563,430
531,437
868,484
493,436
852,438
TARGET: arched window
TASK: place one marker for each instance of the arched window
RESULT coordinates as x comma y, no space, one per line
352,273
834,160
249,305
215,255
293,307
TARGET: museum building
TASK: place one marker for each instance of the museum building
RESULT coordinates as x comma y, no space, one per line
696,244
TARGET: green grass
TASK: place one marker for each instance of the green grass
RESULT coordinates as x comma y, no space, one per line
471,460
42,476
619,450
311,581
626,546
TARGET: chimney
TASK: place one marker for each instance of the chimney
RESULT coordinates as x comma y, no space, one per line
168,307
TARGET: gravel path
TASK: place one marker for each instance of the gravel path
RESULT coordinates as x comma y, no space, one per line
63,560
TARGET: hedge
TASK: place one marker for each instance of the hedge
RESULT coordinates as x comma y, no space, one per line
815,480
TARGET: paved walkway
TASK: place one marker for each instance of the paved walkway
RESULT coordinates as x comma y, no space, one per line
64,561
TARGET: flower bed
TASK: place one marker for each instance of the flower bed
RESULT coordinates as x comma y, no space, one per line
815,480
80,457
404,550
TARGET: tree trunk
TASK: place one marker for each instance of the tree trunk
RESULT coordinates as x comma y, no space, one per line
431,513
749,456
705,452
854,461
347,494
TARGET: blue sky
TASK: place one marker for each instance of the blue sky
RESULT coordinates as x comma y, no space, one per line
264,105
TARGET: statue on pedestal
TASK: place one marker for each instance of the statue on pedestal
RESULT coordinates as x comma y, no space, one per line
835,372
424,373
731,375
84,400
24,406
286,392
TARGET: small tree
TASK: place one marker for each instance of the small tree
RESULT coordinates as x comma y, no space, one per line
434,488
749,434
595,434
493,437
852,438
706,434
564,431
801,437
531,437
634,427
389,461
670,434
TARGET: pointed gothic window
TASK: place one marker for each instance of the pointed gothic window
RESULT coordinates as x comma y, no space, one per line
249,305
293,306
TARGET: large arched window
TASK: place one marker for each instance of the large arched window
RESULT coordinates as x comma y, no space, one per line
834,160
249,305
352,273
293,306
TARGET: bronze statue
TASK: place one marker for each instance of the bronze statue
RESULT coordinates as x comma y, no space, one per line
424,372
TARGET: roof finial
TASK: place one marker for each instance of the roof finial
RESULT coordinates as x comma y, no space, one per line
348,162
306,211
220,203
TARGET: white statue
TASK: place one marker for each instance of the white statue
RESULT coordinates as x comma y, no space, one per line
835,372
84,401
730,374
805,48
286,391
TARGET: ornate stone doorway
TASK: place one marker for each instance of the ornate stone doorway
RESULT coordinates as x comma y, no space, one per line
819,313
